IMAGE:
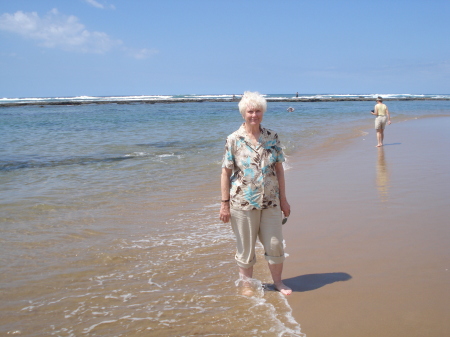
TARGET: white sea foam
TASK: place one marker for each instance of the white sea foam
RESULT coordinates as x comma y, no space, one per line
193,287
213,96
194,97
92,327
137,154
154,283
80,97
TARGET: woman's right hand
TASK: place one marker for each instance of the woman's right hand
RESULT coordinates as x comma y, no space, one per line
225,183
225,212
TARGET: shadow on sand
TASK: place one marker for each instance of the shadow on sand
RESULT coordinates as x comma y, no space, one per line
314,281
392,144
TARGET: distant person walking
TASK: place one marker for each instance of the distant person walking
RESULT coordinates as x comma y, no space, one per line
383,118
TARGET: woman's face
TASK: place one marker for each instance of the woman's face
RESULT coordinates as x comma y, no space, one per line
253,116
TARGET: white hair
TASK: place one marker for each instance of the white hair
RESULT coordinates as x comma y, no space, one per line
252,100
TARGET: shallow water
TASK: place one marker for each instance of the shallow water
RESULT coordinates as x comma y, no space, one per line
108,216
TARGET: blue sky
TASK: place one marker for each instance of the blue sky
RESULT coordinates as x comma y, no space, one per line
129,47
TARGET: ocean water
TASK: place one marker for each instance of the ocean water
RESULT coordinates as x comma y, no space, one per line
109,215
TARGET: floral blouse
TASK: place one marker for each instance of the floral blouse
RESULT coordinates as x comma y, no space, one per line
254,183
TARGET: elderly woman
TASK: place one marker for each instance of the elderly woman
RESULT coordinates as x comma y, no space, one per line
383,117
253,190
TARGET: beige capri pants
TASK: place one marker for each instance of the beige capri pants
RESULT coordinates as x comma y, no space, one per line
380,122
264,224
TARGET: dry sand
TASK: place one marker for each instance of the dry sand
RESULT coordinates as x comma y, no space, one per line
368,238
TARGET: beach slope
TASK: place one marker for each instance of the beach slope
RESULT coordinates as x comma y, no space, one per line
368,235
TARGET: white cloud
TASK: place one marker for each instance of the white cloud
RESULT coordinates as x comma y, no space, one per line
12,55
99,5
56,30
95,4
141,54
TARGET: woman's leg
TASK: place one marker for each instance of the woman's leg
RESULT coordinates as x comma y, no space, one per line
276,270
245,225
380,137
271,237
245,273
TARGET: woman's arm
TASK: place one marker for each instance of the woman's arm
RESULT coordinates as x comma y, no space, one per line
225,188
388,115
284,205
375,110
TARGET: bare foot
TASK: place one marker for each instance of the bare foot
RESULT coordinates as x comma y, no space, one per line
282,288
247,291
379,145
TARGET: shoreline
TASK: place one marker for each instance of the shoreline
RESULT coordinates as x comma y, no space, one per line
202,100
367,238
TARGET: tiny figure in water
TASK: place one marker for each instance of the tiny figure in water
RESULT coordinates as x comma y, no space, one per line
290,109
383,118
296,95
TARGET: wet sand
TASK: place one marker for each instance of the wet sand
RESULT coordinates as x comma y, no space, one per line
368,238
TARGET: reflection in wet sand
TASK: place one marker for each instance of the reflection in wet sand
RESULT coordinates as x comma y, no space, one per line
382,176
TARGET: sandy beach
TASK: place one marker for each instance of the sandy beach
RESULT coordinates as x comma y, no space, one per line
368,235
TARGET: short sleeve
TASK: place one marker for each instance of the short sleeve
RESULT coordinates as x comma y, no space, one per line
228,156
280,152
280,157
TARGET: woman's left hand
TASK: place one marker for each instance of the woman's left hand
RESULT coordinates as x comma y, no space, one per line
225,213
285,208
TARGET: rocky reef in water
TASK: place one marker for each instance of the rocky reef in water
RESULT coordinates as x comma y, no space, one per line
199,100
